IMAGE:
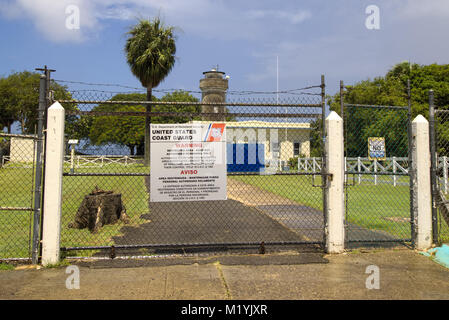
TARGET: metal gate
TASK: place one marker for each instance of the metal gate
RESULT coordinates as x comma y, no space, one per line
279,204
21,185
17,189
378,171
439,149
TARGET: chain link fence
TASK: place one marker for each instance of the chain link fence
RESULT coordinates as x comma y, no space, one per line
17,174
268,200
274,175
441,194
378,196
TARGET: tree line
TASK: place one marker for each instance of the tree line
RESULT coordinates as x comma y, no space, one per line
389,90
19,100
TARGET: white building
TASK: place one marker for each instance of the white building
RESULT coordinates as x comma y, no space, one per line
22,150
281,140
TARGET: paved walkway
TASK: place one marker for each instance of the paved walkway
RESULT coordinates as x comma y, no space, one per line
250,215
303,220
404,274
227,221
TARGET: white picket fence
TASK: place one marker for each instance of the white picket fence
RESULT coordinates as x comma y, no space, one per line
364,169
82,161
7,163
391,166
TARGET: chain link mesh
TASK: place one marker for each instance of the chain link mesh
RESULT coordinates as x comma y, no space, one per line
17,172
276,203
377,182
442,171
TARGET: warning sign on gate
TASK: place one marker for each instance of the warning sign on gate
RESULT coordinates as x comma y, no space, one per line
188,162
376,148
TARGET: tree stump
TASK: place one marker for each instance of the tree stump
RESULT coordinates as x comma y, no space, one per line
98,209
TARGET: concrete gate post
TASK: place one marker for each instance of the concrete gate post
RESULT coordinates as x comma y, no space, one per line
335,164
422,187
54,161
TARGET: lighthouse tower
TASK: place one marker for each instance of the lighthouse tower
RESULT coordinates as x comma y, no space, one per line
213,87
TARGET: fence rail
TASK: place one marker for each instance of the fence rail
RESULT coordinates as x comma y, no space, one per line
360,166
99,161
363,166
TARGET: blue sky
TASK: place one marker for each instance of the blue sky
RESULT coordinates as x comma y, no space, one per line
310,37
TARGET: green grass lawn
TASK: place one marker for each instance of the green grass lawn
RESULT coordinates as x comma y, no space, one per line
15,226
380,207
16,190
134,196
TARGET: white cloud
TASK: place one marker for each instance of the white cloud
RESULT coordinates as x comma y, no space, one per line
49,17
292,17
206,18
343,49
422,9
333,40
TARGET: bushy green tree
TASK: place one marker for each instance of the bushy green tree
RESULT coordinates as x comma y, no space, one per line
19,99
391,90
125,130
130,130
177,96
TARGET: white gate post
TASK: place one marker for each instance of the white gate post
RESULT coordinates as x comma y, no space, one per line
54,161
334,148
422,188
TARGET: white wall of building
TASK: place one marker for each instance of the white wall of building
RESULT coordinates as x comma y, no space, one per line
21,150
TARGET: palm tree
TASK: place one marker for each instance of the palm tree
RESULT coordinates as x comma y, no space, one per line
150,53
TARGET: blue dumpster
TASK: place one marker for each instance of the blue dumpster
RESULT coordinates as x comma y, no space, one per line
245,157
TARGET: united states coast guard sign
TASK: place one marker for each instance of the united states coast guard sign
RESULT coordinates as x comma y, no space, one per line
188,162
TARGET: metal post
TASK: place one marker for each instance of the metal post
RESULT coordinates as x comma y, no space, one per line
342,117
48,101
445,174
38,173
324,157
342,87
433,164
411,171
